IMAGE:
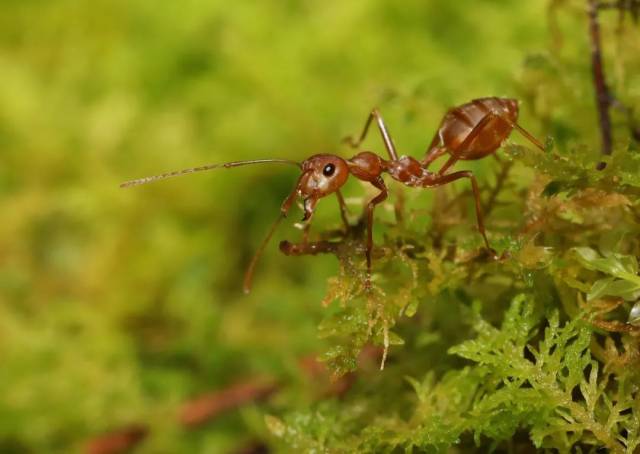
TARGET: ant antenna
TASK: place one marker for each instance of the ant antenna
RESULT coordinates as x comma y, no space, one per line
248,275
226,165
284,209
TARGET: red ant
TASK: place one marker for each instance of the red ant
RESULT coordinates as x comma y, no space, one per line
467,132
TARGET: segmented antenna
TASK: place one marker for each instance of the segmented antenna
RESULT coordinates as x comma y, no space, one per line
284,209
227,165
248,275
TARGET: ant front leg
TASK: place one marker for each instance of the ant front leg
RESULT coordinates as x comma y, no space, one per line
343,211
378,183
388,143
444,179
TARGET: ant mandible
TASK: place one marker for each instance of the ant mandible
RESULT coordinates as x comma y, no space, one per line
467,132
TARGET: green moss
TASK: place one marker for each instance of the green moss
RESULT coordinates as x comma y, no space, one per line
118,306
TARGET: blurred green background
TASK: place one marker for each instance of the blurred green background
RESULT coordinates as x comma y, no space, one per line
117,305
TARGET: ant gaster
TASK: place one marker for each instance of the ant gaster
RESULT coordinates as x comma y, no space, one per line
467,132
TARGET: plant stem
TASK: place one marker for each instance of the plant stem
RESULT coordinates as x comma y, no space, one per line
603,99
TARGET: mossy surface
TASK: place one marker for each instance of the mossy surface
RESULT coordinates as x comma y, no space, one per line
118,307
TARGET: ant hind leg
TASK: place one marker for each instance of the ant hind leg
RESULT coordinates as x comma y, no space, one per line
435,150
378,183
528,136
444,179
386,137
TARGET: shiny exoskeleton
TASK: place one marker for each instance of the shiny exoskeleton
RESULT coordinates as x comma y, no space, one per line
467,132
471,131
475,130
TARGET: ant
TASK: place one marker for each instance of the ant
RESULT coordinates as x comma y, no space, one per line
467,132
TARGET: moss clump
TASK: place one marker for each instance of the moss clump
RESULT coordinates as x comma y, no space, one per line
121,313
537,349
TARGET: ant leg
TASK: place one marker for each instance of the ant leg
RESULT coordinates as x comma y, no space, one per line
398,208
475,132
343,210
378,183
435,150
284,210
444,179
432,155
528,135
451,161
386,138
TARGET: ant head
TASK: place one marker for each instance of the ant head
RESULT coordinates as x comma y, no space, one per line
322,174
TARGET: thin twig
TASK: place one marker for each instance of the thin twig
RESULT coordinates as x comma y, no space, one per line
501,179
603,99
208,406
118,441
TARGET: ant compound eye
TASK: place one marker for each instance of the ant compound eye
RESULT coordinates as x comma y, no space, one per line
328,170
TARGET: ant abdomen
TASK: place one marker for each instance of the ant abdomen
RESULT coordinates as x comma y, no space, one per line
477,128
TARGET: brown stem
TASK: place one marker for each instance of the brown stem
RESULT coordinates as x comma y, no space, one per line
603,99
618,4
117,441
193,413
208,406
501,179
634,128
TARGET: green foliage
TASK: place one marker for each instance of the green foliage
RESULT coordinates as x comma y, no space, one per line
551,388
623,280
117,306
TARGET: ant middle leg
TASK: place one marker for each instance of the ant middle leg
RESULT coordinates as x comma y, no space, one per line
378,183
445,179
343,211
386,137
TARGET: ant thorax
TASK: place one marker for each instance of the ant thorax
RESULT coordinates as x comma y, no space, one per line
408,171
